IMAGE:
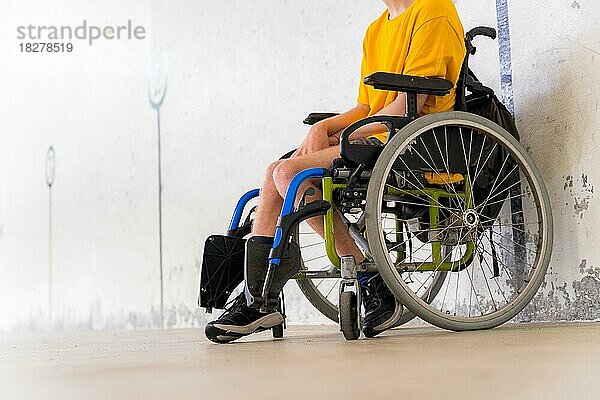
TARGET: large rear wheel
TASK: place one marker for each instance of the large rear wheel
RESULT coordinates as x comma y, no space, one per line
486,205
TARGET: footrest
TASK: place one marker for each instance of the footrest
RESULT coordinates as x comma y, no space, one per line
222,270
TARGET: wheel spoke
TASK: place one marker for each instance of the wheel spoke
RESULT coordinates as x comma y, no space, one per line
507,269
502,191
432,167
485,162
495,182
422,190
467,162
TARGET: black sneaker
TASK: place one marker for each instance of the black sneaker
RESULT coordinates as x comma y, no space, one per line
240,320
382,310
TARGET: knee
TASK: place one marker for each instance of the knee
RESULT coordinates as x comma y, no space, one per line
283,175
270,168
269,172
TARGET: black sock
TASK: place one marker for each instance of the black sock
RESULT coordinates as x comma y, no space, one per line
363,277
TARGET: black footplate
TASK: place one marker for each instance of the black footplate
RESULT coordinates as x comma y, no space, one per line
222,270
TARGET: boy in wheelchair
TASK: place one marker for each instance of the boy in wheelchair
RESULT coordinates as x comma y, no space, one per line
421,38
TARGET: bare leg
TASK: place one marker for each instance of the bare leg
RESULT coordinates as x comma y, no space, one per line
285,172
269,205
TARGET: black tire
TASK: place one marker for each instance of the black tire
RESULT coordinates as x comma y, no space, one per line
349,316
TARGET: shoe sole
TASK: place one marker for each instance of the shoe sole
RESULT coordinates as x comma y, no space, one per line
228,333
392,320
387,324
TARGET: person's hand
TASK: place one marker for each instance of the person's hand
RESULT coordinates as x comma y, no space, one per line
334,139
316,140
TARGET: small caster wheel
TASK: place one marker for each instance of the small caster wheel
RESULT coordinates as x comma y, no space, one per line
349,316
277,331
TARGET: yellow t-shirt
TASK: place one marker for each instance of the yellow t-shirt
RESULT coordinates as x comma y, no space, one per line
425,40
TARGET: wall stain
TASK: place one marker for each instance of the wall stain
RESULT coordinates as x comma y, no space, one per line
581,205
505,53
581,192
182,316
556,303
568,182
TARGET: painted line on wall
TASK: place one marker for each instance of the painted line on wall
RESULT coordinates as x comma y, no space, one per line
508,98
50,166
156,95
504,49
160,223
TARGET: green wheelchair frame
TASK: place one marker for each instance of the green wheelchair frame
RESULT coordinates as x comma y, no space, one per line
434,194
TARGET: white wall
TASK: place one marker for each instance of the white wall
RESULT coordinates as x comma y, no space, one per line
556,55
241,76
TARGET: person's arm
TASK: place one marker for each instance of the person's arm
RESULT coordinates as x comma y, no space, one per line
326,133
341,121
396,107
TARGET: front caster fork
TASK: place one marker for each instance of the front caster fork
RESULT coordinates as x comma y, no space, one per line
278,329
350,300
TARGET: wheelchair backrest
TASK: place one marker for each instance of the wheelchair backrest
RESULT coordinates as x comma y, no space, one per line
467,80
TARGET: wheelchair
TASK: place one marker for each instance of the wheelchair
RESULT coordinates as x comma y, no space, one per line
451,211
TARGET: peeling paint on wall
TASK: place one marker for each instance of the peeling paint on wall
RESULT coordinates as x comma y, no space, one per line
504,49
581,192
577,301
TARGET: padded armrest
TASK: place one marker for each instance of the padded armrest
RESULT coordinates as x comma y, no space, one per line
408,83
313,118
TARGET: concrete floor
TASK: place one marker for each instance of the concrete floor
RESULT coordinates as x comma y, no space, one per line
515,362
